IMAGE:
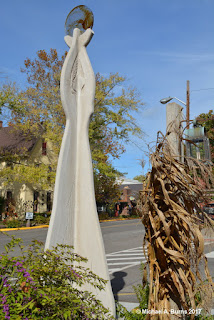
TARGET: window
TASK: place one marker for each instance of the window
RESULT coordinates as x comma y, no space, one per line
9,195
8,200
35,201
49,202
44,148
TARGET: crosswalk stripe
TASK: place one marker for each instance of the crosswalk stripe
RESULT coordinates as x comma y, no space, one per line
112,270
210,254
127,250
124,263
126,255
127,258
137,250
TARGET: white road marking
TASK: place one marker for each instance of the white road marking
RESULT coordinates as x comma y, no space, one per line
208,242
210,254
127,250
125,259
114,270
139,255
132,257
123,263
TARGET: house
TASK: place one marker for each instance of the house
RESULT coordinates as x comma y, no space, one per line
19,149
130,190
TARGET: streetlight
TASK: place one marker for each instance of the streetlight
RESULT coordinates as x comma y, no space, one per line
174,115
166,100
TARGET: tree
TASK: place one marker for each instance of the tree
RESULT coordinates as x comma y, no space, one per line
106,190
207,121
37,110
140,178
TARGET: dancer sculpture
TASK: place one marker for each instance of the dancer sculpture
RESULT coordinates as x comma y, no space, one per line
74,220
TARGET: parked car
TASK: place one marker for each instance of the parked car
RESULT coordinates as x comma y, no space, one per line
209,209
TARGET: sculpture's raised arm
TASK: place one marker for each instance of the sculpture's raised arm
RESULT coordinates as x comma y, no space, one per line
77,77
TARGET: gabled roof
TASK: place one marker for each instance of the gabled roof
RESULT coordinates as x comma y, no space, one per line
13,141
125,181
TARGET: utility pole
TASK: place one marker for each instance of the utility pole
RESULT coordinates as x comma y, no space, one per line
187,105
173,121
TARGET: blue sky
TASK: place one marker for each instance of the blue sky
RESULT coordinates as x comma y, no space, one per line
157,44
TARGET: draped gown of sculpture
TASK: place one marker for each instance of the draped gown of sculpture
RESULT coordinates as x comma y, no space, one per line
74,220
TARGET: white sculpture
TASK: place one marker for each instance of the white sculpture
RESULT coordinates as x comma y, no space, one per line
74,220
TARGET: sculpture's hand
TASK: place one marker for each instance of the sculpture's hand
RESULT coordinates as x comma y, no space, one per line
86,37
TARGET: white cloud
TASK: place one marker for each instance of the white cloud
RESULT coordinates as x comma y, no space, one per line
150,112
176,56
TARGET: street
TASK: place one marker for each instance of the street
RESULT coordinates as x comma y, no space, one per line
123,245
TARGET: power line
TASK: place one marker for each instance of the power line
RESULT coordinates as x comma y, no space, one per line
203,89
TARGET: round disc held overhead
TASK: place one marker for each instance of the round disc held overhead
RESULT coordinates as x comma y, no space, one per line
80,17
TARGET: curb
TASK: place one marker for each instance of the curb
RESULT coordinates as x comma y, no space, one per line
25,228
46,225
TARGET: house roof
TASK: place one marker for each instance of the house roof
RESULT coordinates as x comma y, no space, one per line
14,141
134,188
124,181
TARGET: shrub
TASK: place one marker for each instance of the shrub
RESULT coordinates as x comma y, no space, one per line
13,223
47,285
40,219
103,216
135,314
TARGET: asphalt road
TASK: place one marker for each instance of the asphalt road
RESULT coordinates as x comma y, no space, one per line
123,246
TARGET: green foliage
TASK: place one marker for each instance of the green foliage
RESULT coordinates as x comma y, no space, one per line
202,317
207,121
106,190
40,219
135,314
10,98
142,290
13,223
34,173
142,293
140,178
103,216
124,216
47,285
37,110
